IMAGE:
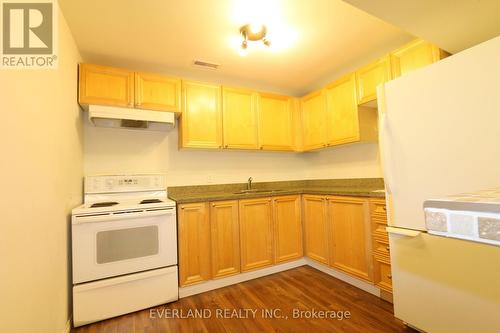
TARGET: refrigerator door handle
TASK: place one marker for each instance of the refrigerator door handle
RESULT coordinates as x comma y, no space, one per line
403,232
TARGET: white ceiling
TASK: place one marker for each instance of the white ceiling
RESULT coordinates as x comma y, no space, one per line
330,38
453,25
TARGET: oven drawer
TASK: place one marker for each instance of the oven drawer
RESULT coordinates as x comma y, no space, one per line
112,297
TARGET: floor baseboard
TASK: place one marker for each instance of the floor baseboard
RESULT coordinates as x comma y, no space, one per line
363,285
227,281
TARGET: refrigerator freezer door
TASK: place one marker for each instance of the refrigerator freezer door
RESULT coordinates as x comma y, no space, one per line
444,285
439,132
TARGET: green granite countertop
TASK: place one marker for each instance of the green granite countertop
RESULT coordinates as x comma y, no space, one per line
358,187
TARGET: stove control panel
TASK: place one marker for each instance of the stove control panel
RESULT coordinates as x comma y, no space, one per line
125,183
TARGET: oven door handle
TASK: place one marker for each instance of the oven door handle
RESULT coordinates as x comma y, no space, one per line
121,215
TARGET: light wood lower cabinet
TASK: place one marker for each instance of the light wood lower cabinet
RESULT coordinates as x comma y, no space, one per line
194,243
256,233
287,228
349,231
381,249
225,236
315,227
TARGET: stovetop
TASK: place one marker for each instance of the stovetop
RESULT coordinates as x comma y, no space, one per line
123,205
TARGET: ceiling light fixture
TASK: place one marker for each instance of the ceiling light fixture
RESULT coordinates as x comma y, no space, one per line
253,33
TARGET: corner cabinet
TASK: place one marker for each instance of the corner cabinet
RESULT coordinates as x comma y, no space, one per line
276,122
103,85
342,111
239,116
194,243
287,222
201,118
256,233
313,121
315,228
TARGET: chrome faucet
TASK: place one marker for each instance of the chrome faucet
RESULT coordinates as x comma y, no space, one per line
249,183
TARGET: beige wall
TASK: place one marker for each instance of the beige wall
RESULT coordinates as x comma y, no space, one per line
41,172
109,150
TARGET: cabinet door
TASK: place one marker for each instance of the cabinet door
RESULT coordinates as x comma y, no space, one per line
342,111
315,228
370,76
194,243
239,112
313,120
412,56
105,86
201,118
256,233
350,236
225,238
275,122
287,228
156,92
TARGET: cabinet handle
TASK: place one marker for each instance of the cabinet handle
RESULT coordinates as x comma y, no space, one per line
387,248
261,147
389,277
226,146
384,208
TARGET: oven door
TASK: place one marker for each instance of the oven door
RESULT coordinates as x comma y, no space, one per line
113,244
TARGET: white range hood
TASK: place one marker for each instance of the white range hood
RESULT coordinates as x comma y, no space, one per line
109,116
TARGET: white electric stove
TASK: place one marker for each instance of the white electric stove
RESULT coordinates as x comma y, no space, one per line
124,247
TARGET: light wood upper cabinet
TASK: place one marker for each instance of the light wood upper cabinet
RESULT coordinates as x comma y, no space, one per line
370,76
287,228
315,228
256,233
156,92
105,86
276,128
349,234
414,55
342,111
225,236
194,243
313,121
239,113
201,119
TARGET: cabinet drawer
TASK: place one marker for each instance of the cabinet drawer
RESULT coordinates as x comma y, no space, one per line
380,232
385,281
381,247
378,209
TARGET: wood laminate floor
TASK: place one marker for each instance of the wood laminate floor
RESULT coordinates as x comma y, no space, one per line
282,294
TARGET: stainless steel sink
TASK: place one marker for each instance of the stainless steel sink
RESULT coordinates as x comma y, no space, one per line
255,191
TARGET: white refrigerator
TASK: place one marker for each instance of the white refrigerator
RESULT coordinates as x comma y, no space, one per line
440,135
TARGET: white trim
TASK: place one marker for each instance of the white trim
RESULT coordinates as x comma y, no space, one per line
234,279
67,328
223,282
363,285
